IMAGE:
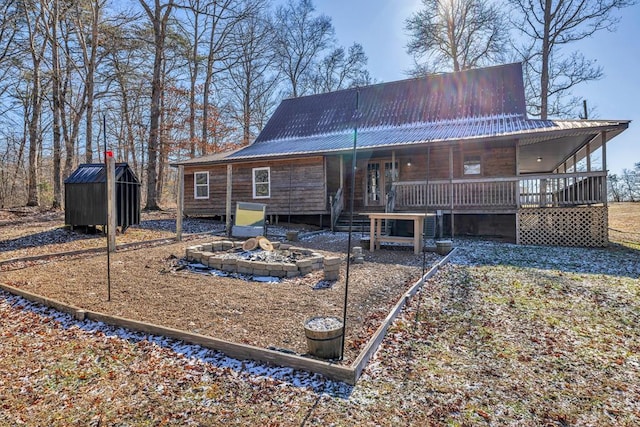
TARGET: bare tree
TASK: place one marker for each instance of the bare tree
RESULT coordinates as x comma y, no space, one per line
158,16
251,77
53,11
36,42
454,35
225,16
87,20
9,22
126,61
341,70
630,181
301,37
615,192
549,26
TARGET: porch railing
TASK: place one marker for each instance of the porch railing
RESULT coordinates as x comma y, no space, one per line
337,205
549,190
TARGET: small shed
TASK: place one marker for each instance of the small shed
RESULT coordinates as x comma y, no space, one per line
85,197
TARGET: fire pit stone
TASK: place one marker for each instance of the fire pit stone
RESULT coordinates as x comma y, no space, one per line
284,261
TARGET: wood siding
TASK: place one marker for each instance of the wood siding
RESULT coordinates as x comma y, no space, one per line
496,160
298,187
313,179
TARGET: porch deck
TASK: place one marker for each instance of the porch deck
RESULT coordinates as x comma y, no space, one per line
500,194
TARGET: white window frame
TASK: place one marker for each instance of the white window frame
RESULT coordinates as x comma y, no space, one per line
196,185
470,158
268,183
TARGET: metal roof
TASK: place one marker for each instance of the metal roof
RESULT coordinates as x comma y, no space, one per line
89,173
457,130
483,92
485,103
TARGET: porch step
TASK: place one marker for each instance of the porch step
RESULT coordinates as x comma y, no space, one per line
361,224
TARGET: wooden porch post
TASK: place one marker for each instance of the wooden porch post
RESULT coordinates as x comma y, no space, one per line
589,156
451,186
180,203
603,135
229,188
341,171
393,165
517,158
517,193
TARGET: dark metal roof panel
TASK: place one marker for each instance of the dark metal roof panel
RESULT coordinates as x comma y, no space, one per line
90,173
395,135
450,130
481,92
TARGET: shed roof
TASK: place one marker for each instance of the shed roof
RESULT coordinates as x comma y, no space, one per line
91,173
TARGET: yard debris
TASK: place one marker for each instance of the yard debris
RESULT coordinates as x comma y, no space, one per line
504,335
250,244
265,244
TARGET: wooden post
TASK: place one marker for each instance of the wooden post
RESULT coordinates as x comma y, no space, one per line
603,135
588,156
393,165
451,185
180,203
229,189
605,188
517,158
111,204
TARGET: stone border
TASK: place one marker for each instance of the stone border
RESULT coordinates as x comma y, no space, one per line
347,374
207,254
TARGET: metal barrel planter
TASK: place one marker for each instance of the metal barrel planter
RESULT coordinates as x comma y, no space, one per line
443,247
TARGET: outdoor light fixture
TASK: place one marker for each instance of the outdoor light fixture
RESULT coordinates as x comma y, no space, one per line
409,163
539,159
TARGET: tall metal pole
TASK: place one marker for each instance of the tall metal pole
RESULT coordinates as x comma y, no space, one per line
106,192
351,203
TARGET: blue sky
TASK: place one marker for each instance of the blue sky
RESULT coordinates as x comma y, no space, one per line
379,26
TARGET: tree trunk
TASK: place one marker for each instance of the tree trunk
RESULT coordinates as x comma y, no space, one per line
95,9
57,105
159,21
36,110
544,74
192,89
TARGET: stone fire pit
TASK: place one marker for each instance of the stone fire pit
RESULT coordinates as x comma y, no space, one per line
282,261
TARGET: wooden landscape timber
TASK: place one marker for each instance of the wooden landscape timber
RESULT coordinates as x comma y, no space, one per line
329,369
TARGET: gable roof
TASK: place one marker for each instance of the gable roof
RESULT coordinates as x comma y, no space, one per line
483,92
478,104
91,173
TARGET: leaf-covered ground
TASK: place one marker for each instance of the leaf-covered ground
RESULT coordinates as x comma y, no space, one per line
504,335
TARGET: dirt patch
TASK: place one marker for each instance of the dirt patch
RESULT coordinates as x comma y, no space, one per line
145,287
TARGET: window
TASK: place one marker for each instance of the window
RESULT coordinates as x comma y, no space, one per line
261,183
201,185
472,165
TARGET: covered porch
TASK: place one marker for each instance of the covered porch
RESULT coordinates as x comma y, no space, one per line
556,193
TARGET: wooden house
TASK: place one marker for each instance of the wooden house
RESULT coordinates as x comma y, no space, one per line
459,143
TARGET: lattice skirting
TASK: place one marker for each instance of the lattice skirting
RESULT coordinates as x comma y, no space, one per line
580,226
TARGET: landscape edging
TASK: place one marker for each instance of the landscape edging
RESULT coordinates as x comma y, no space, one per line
349,375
